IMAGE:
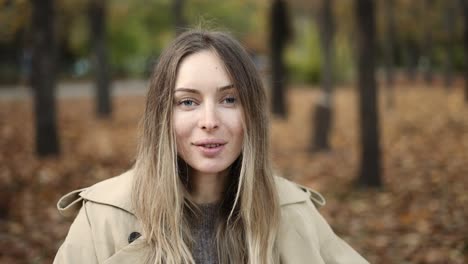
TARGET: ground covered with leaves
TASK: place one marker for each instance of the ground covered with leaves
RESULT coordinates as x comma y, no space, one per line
419,216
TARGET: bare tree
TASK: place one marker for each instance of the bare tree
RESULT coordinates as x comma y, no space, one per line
97,18
449,23
464,5
280,34
412,54
412,45
427,44
389,51
43,77
323,108
370,152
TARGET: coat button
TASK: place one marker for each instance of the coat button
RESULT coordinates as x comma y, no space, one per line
133,236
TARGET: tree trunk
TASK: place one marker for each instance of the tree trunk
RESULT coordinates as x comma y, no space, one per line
412,46
323,108
427,45
389,52
280,33
450,13
179,21
464,5
322,119
370,152
43,77
97,16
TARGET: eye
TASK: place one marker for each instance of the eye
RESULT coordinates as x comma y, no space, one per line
230,100
186,103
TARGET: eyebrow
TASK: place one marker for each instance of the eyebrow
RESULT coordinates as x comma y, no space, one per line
190,90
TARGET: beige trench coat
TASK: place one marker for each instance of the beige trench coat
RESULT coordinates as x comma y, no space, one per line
101,230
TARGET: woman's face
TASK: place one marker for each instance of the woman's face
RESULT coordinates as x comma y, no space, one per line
207,114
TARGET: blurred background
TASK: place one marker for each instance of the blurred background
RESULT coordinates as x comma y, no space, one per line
369,106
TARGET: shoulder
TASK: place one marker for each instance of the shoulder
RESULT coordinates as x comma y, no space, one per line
299,206
105,221
114,192
300,237
304,235
292,193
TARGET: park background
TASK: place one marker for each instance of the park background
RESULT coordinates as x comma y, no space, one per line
369,107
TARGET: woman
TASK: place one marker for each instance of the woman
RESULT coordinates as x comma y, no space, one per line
203,189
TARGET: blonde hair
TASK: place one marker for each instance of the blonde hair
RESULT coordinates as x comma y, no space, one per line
249,213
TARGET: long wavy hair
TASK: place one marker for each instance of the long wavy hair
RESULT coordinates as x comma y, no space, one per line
249,212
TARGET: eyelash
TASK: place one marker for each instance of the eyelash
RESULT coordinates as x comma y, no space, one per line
231,100
183,101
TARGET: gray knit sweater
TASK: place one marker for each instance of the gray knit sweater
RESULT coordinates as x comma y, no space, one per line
204,232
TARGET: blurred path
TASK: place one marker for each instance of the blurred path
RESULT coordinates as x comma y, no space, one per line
75,89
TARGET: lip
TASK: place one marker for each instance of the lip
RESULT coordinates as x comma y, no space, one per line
209,152
209,141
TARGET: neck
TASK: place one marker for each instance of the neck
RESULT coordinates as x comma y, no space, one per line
207,188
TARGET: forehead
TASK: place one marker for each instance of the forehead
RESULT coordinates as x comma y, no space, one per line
203,69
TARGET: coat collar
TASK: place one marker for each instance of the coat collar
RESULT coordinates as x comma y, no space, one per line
116,192
291,193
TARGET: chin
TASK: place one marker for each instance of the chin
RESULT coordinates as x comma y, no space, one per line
211,169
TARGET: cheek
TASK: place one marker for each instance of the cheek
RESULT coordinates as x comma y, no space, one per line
238,128
181,129
182,122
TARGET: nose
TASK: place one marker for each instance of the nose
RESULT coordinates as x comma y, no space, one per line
209,118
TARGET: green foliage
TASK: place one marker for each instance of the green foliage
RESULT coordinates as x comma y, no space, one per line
304,56
233,16
78,37
14,16
344,60
137,31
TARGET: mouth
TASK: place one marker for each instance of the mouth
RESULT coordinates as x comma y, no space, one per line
210,145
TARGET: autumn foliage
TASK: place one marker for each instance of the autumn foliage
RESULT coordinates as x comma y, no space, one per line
420,216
